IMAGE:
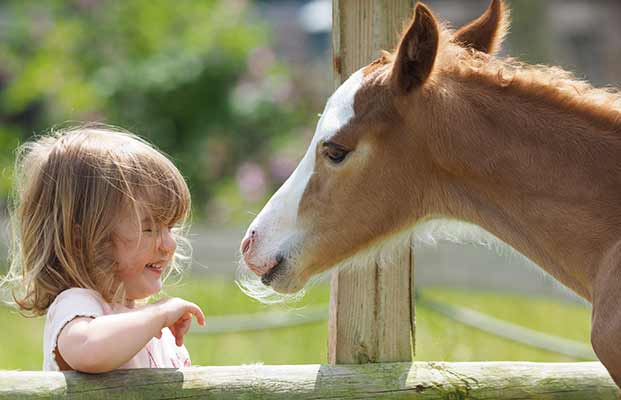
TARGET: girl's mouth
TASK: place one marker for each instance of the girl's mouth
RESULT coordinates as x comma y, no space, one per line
155,268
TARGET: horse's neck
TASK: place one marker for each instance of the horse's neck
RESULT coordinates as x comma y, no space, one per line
541,177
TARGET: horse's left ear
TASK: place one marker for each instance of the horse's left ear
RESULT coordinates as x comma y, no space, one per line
416,53
486,32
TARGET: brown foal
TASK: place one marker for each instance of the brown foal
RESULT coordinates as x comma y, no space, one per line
443,128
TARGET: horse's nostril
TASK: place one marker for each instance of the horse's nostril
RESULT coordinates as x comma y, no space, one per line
245,245
249,242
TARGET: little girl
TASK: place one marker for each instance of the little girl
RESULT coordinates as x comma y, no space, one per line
96,220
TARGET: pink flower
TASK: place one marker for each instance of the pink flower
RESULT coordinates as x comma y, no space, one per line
251,181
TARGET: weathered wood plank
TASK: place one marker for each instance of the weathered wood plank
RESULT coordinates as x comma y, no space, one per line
371,309
420,380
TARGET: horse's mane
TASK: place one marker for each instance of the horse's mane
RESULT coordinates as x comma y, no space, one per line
542,81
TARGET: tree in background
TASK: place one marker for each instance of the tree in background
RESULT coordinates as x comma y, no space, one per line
197,78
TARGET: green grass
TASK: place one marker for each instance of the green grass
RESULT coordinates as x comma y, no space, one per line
437,338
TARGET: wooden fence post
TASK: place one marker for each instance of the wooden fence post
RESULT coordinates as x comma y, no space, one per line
372,307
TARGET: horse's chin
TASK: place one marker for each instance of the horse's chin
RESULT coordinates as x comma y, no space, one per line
287,281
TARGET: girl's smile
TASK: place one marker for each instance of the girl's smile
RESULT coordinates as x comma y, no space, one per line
155,268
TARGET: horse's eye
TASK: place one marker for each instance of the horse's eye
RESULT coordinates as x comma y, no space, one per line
334,152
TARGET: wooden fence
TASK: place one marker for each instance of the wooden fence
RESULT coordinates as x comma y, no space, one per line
491,381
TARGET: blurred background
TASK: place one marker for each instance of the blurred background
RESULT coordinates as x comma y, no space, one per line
231,91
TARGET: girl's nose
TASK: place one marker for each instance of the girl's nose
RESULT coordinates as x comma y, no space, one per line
168,244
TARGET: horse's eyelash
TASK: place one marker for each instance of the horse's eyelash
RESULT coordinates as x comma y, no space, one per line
334,145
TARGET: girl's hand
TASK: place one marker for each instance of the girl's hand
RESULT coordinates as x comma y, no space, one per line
176,315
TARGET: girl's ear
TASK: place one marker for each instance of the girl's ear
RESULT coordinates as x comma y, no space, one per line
416,53
486,32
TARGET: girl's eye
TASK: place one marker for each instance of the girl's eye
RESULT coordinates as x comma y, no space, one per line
334,152
151,230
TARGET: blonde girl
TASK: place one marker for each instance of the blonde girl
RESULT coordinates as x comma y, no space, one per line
96,214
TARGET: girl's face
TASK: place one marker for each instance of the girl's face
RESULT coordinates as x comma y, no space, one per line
143,251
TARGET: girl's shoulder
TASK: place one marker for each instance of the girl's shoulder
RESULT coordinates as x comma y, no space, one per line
78,293
77,298
68,304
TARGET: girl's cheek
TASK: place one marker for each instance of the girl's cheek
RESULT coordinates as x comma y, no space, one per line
126,268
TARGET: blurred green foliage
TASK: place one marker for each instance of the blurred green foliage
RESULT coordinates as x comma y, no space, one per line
197,78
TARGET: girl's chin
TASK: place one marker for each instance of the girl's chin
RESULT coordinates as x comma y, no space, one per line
145,291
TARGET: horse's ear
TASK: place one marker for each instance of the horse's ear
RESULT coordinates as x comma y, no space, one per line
416,53
486,32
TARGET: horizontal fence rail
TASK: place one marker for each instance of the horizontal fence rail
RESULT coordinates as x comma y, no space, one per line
510,331
418,380
260,321
463,315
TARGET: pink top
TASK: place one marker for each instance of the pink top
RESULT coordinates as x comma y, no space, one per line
77,302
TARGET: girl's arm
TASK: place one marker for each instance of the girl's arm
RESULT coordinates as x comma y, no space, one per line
105,343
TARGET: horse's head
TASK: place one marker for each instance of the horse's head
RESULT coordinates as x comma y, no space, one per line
366,176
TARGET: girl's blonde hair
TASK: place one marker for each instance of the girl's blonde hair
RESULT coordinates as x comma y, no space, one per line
70,189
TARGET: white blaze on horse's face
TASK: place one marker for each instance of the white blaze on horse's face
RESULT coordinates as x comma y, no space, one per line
275,232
